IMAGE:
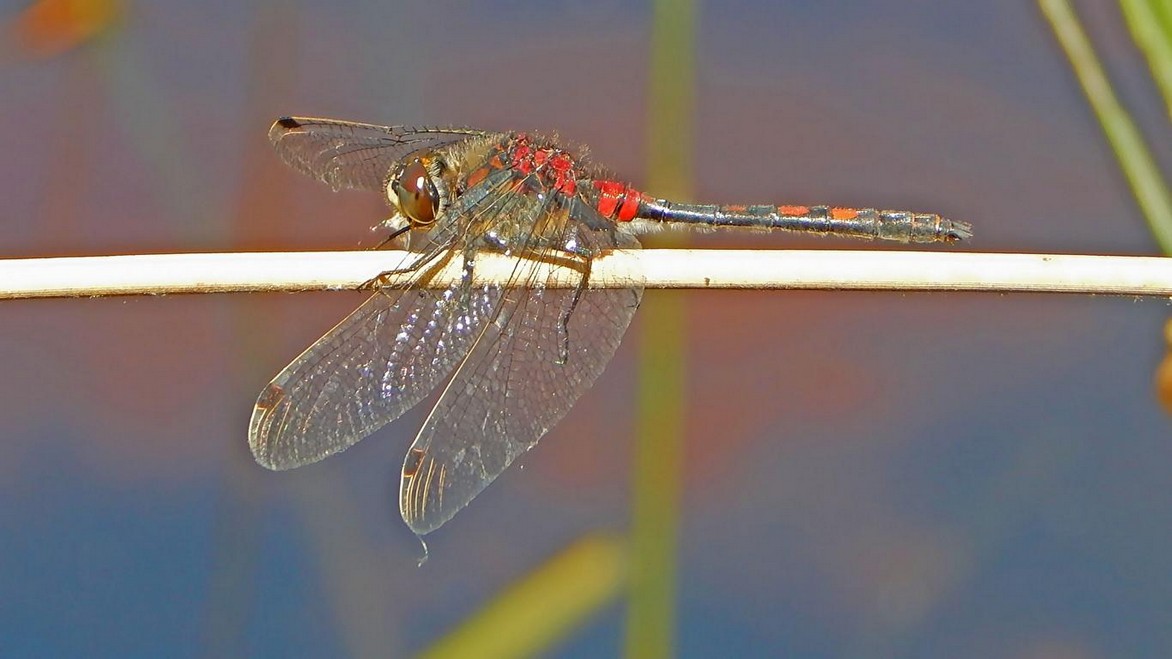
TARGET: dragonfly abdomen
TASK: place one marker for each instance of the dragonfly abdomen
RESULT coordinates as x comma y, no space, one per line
867,223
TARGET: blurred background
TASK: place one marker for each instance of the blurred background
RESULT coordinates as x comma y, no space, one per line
863,474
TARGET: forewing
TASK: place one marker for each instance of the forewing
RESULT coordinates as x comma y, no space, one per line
384,357
346,154
511,389
365,372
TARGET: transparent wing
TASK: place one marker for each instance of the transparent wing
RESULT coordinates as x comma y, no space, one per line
380,360
372,367
346,154
512,388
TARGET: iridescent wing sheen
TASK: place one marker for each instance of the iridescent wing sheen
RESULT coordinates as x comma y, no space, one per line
345,154
383,358
372,367
513,386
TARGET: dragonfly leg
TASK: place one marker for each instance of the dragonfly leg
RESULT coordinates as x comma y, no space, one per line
564,321
422,260
395,234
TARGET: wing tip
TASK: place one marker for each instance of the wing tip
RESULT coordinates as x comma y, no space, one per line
421,492
261,430
283,126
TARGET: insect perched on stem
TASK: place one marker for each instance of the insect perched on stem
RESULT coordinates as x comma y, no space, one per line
515,356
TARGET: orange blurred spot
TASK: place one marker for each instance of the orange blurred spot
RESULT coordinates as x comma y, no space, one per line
51,27
1163,377
794,211
843,213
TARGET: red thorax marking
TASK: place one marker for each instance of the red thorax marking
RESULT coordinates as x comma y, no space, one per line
555,165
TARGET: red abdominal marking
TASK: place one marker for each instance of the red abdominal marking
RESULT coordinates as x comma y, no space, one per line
794,211
614,196
843,213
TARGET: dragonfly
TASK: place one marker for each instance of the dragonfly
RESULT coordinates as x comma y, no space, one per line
512,356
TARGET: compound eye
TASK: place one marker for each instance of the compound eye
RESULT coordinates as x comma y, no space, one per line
417,197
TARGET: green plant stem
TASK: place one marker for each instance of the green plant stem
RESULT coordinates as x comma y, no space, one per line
1135,160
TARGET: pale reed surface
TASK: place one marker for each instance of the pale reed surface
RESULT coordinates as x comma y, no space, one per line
158,274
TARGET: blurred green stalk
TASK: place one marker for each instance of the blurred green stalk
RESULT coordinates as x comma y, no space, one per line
658,462
1150,23
541,608
1135,160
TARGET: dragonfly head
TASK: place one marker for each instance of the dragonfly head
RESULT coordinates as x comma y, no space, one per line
417,191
